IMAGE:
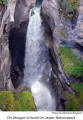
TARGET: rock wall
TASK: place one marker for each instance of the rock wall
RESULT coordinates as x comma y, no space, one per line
79,26
66,28
15,17
50,16
50,13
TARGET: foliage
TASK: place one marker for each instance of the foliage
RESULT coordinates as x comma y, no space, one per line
74,102
69,6
74,4
73,65
0,2
78,87
3,2
11,102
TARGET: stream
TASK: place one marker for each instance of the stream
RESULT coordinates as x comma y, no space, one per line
37,72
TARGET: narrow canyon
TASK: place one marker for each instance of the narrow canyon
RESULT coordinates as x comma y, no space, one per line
41,52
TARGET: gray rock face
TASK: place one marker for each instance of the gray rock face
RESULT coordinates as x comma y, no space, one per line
49,11
5,62
76,35
79,27
2,10
50,15
17,12
8,15
22,10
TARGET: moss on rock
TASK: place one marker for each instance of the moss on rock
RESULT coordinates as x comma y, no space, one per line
26,102
72,64
11,102
7,101
72,103
75,102
73,67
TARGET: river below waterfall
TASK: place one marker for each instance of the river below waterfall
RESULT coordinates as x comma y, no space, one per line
37,72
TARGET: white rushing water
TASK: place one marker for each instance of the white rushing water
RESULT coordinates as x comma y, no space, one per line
37,68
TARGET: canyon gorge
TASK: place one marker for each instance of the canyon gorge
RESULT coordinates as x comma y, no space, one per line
41,55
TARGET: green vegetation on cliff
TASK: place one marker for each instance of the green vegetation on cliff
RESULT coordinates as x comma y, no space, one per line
3,2
75,102
74,4
11,102
26,102
7,101
73,65
69,5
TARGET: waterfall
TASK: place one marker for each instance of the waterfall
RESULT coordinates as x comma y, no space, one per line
37,70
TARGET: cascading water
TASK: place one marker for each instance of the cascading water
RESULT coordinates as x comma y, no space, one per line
37,66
